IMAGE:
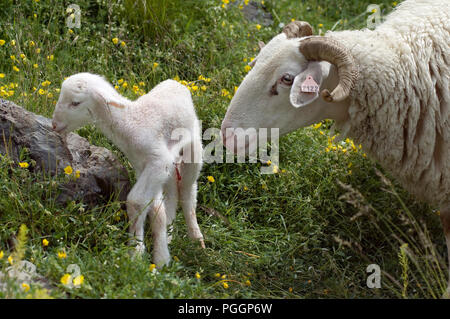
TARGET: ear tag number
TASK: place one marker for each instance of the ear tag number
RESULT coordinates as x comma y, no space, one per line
309,85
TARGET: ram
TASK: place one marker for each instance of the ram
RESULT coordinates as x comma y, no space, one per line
387,88
166,168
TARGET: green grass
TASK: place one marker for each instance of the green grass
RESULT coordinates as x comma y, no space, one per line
296,234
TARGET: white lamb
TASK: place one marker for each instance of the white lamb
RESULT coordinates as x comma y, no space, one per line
143,131
389,92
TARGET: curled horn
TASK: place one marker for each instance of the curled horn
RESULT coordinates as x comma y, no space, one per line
327,49
297,29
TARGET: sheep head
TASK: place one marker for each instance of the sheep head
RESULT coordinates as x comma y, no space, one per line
283,87
81,97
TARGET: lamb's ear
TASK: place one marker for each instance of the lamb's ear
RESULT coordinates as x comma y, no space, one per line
306,86
99,97
106,100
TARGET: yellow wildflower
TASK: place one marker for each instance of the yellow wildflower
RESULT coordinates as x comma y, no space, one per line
197,275
275,169
247,68
211,179
123,44
45,242
152,267
24,164
269,162
258,26
35,66
10,260
23,56
155,65
115,40
41,91
68,170
2,75
248,283
225,285
65,280
78,280
77,174
25,287
320,25
13,42
15,68
50,57
38,50
1,254
217,275
2,42
62,255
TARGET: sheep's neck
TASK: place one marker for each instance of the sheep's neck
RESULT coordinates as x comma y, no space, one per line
109,117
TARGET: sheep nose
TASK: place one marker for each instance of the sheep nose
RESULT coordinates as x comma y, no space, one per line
54,125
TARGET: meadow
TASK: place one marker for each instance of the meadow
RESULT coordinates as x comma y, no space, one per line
308,231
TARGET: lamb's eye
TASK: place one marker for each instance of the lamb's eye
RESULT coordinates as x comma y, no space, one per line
75,103
287,79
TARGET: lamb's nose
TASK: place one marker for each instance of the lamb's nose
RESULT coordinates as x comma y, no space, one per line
53,125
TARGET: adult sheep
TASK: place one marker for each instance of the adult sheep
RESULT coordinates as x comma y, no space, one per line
389,92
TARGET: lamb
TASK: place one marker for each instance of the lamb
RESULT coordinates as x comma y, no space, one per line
143,131
389,92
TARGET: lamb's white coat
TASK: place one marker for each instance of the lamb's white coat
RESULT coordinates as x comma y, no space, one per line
143,131
399,109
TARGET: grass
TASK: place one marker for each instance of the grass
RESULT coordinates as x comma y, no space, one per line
309,231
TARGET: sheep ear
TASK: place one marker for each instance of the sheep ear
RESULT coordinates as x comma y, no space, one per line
306,86
98,97
107,101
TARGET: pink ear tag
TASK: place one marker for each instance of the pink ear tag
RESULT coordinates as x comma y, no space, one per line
309,85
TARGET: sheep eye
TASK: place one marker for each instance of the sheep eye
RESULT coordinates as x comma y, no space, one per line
287,79
75,103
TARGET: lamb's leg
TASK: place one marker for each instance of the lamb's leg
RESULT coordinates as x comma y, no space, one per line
170,202
145,196
445,219
188,199
158,222
137,212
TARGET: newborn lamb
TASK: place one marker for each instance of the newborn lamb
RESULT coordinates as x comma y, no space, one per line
166,167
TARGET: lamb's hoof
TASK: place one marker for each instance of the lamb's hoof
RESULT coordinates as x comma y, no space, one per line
161,260
202,243
138,251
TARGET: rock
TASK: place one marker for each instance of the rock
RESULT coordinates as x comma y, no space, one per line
255,12
101,173
23,272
